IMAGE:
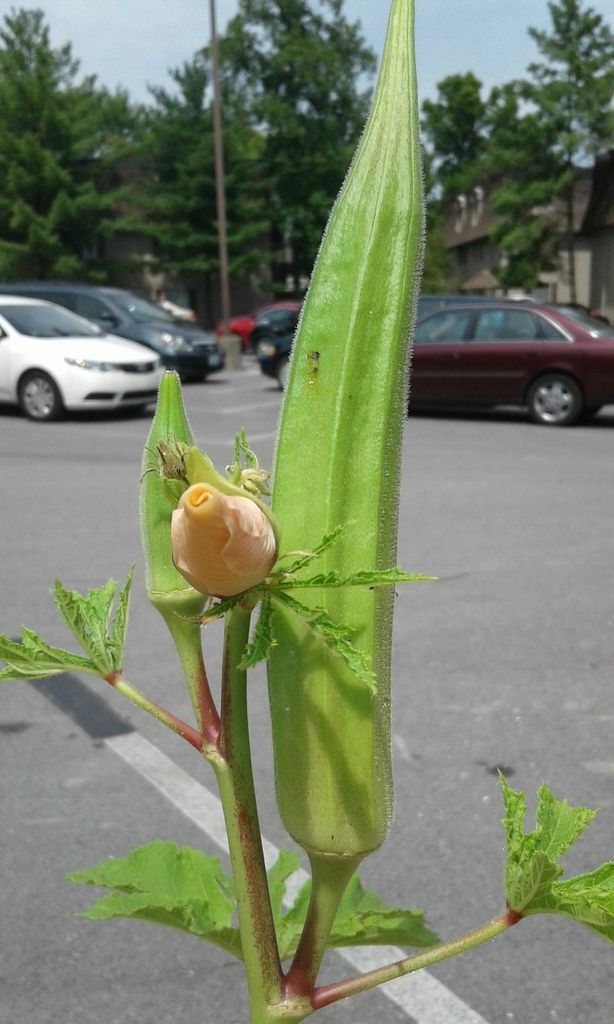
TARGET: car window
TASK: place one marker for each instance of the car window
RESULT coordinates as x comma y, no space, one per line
598,328
53,295
550,331
507,325
47,322
92,307
140,309
449,325
275,316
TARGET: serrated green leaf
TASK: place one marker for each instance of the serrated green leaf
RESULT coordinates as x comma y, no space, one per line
243,455
306,557
532,877
35,659
289,925
285,866
336,636
87,617
262,640
378,578
558,824
587,898
117,631
167,884
217,610
531,866
91,620
194,919
363,919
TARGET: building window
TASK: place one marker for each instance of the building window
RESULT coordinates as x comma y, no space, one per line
460,213
477,204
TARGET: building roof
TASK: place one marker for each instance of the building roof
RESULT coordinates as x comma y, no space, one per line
469,217
482,281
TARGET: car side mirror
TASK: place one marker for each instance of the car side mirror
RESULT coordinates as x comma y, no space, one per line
109,319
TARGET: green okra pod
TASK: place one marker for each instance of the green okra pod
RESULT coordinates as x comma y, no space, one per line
166,589
337,464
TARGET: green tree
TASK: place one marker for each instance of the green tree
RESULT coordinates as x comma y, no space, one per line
453,133
569,95
60,140
438,267
519,164
297,73
173,202
453,128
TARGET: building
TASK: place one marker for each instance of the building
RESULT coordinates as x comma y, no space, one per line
469,219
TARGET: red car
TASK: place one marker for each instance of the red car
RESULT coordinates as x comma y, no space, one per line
559,367
243,325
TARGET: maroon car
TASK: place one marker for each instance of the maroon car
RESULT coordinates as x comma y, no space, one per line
560,367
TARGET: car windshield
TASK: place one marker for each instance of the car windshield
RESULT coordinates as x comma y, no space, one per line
139,309
598,328
48,321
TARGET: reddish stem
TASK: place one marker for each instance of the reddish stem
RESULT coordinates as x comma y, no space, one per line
512,917
187,732
208,712
327,994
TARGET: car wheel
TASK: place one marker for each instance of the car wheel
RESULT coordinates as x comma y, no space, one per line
283,371
39,397
555,400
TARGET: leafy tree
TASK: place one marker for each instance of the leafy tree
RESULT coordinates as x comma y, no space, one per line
518,161
453,131
173,203
296,72
453,127
569,120
60,139
438,269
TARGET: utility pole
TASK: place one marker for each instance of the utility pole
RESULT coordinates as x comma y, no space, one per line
220,192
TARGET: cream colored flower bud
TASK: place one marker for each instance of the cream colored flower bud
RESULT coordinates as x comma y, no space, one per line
222,544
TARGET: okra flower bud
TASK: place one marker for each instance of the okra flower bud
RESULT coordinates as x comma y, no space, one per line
337,464
222,544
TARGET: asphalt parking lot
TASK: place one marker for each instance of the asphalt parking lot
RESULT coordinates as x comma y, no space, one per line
506,662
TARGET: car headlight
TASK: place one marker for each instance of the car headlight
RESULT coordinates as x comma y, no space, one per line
265,349
174,342
90,364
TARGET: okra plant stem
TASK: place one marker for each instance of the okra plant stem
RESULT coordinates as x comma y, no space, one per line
332,993
236,785
186,636
188,732
330,876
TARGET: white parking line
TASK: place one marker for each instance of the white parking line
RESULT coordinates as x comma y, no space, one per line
420,996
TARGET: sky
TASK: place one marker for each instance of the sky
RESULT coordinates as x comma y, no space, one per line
133,43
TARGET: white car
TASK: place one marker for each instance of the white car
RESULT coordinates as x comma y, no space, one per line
52,360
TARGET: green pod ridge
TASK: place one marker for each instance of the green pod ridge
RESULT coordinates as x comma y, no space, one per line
338,462
166,588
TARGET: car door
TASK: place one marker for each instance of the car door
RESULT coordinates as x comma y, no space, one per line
98,311
501,355
435,368
5,363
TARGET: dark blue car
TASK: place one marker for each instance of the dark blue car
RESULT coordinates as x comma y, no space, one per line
182,346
